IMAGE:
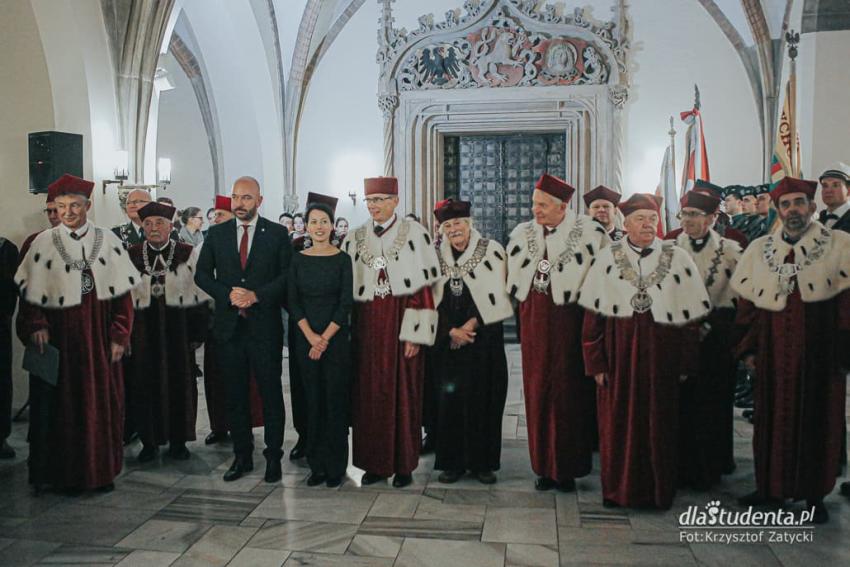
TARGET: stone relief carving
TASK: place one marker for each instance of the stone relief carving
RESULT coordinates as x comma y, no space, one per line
618,95
503,54
396,40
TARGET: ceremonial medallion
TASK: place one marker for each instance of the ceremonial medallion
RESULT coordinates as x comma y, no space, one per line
87,283
456,286
641,302
157,289
380,263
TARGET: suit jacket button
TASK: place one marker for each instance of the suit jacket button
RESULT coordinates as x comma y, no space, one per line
243,280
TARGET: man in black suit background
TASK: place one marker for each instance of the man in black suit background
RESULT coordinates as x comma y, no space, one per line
834,183
243,266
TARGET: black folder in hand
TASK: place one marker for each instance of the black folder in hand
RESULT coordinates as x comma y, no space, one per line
44,365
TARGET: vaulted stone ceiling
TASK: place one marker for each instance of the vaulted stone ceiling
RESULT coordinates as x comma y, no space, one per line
297,33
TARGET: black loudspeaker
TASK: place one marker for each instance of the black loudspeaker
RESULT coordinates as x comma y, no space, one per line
53,154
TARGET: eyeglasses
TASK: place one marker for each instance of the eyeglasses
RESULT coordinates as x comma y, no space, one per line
376,200
690,214
137,202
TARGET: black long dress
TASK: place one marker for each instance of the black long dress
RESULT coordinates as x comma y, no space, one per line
320,290
472,384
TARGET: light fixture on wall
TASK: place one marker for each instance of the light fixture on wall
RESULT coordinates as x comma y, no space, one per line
353,196
163,171
121,169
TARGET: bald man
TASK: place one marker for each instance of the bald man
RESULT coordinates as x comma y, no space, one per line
243,266
131,232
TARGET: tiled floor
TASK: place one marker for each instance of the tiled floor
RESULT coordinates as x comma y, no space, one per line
182,513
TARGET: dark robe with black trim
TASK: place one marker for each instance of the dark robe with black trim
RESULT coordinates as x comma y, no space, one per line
164,390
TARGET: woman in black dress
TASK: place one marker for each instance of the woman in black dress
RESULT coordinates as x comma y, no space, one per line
320,301
470,367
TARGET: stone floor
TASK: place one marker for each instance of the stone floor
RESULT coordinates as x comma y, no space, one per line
181,513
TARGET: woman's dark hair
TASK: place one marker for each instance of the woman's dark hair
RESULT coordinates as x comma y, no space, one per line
296,215
318,207
188,213
341,219
284,216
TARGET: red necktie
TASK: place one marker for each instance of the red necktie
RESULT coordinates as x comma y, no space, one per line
243,247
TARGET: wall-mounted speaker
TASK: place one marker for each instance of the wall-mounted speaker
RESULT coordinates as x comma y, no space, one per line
51,155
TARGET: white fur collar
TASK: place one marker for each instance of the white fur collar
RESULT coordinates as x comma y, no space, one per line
716,263
180,288
822,254
579,237
486,281
679,298
414,267
46,280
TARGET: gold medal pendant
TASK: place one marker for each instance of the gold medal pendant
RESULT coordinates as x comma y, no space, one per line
641,302
87,283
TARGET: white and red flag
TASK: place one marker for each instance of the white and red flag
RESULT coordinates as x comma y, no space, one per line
696,156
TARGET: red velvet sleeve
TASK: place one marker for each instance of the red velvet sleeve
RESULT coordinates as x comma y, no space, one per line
122,319
422,299
593,344
29,320
746,329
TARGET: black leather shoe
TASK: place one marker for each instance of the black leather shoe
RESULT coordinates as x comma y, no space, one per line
402,480
371,478
568,485
845,489
333,481
757,499
273,472
129,438
179,452
315,479
148,453
6,452
450,477
486,477
298,451
216,437
748,414
240,466
543,483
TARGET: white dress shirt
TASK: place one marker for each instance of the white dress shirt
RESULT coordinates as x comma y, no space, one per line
839,212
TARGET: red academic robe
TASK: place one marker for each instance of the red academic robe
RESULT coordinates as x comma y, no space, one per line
558,394
799,395
164,390
85,435
387,390
638,408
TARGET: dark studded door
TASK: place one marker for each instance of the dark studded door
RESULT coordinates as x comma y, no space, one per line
497,174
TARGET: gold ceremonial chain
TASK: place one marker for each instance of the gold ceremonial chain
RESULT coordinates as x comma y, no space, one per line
787,272
83,264
157,288
641,301
715,266
457,273
544,267
378,263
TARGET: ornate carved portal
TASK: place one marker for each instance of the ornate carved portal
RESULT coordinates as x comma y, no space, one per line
502,67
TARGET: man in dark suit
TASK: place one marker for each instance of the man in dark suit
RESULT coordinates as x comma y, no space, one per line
8,302
243,266
834,183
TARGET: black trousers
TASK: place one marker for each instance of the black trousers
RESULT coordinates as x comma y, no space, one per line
5,378
239,358
298,395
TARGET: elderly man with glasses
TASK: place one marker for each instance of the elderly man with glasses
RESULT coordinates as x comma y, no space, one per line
706,400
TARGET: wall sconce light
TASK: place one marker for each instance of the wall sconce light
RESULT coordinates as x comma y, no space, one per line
163,169
353,196
121,168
